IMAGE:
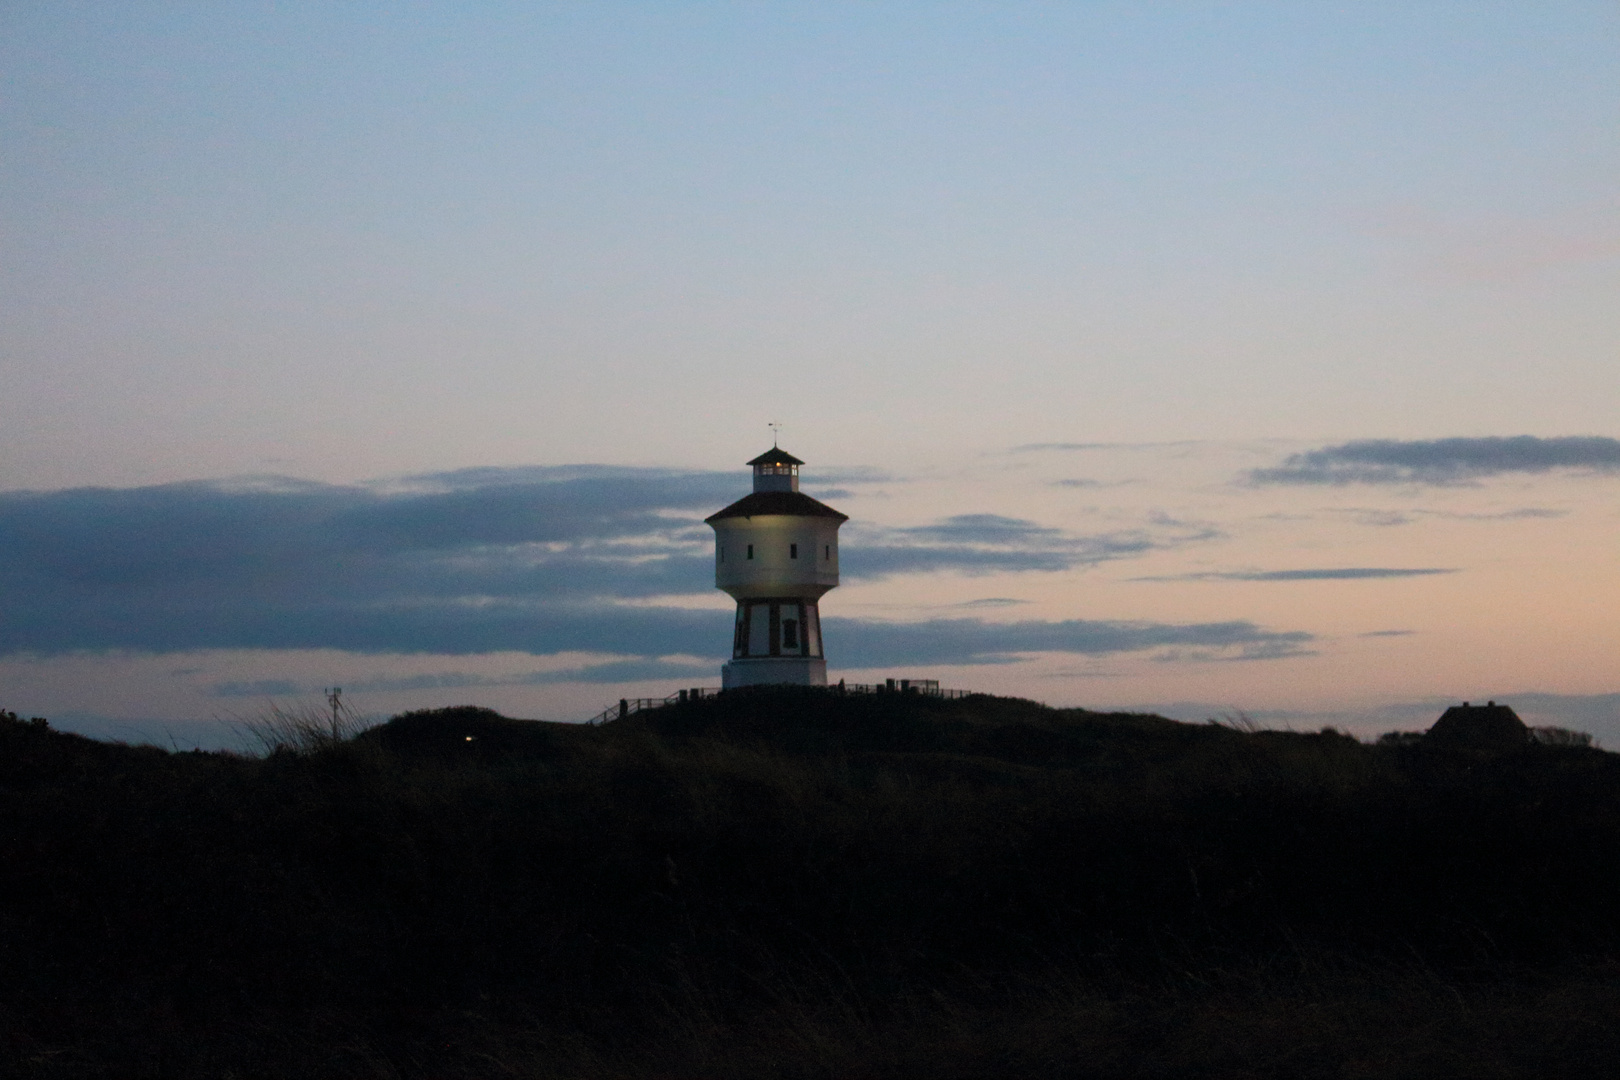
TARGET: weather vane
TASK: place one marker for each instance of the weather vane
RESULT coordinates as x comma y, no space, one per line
776,430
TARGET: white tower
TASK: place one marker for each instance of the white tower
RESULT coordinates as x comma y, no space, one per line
776,553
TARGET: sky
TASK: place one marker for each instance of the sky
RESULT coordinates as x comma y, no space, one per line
1205,358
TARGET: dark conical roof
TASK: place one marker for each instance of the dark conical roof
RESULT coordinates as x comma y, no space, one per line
777,504
1483,727
776,456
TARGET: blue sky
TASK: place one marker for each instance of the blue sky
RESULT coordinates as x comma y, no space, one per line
436,328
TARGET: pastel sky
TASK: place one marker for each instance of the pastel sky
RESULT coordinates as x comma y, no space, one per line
1197,357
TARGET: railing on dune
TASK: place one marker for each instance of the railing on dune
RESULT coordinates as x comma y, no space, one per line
921,687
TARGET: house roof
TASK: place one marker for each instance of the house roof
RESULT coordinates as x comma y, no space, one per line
777,504
1482,726
776,456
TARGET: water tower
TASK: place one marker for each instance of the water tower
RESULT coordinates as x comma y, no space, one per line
776,553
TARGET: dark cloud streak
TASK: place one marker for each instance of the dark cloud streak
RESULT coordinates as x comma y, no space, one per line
991,543
974,641
1341,573
1442,461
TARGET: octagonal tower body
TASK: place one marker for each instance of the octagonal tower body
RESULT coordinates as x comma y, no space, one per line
776,553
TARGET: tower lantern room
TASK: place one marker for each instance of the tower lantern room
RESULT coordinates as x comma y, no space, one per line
776,470
776,554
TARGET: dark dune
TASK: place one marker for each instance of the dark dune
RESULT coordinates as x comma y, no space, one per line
794,883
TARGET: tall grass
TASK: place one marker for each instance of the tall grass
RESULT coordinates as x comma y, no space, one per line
304,727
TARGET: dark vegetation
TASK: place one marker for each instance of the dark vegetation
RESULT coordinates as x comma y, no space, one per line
792,883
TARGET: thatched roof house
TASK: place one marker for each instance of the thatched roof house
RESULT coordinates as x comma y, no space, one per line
1479,727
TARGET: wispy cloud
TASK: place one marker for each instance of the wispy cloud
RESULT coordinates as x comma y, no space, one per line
991,543
1332,573
631,669
974,641
1063,447
1378,519
270,688
1523,513
1442,461
1382,518
865,644
988,529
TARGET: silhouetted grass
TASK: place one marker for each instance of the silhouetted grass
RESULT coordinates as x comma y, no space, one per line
303,728
794,883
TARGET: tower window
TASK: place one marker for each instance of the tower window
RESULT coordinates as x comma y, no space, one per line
793,551
750,551
759,630
826,552
790,633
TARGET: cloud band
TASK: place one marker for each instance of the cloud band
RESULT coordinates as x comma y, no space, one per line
1442,461
541,561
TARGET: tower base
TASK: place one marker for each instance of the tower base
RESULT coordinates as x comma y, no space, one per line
774,670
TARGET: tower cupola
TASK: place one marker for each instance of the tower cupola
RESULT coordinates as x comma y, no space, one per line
776,470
